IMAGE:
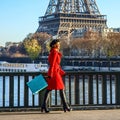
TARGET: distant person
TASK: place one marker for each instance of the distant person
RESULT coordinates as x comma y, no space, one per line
55,73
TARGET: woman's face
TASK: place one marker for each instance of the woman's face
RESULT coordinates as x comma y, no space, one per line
57,45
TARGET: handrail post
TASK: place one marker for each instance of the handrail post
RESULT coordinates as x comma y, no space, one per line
11,91
104,90
90,89
26,91
118,89
77,91
4,91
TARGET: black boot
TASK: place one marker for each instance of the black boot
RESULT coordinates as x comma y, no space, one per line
44,105
66,107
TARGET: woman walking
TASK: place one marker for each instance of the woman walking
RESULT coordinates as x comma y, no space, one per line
55,74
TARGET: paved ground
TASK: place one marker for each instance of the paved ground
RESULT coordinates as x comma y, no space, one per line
60,115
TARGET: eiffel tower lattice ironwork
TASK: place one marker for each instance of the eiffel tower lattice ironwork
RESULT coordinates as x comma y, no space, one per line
64,16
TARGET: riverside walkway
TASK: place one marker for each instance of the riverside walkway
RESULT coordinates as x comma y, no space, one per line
112,114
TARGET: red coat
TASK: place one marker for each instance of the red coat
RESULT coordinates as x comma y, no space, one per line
55,72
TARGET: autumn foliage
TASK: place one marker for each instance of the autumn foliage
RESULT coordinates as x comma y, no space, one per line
92,44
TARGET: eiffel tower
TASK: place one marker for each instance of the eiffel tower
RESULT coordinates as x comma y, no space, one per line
65,16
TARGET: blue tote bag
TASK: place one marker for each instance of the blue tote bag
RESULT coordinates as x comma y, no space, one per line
37,84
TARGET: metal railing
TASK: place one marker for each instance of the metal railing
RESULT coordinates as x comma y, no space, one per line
85,88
